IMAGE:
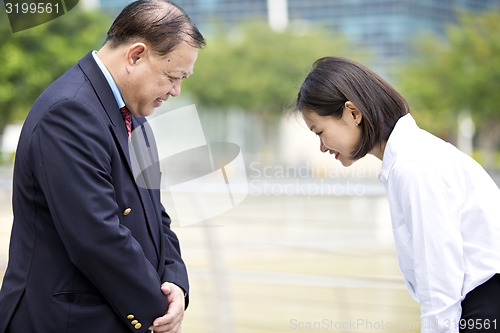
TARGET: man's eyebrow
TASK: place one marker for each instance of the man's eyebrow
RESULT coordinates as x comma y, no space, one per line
178,72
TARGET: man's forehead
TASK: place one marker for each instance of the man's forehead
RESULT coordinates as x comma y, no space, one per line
174,67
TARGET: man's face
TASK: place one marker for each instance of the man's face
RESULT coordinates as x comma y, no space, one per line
155,78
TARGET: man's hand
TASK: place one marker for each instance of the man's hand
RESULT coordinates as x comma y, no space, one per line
171,321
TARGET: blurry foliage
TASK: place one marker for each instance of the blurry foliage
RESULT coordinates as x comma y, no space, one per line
32,59
458,74
254,68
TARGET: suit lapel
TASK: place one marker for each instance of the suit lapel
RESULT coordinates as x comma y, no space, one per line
147,175
105,95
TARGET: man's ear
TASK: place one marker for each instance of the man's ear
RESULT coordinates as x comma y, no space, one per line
135,54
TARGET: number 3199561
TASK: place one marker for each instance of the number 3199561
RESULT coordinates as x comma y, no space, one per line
32,8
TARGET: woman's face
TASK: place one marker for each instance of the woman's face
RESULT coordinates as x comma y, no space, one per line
341,136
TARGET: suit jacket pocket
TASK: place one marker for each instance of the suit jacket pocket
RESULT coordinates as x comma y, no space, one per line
84,312
80,298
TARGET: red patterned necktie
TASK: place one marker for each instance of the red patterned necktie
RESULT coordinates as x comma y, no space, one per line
127,118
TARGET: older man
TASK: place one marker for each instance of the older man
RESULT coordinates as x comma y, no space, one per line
91,250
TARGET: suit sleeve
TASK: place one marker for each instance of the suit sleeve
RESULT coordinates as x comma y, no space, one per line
175,270
73,157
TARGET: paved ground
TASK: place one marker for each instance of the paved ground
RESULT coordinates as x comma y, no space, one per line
289,263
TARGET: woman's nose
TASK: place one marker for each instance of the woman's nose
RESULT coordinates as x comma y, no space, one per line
322,147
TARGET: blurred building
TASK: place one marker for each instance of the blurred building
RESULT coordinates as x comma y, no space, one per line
383,28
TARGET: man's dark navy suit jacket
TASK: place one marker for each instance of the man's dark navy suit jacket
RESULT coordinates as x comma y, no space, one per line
78,262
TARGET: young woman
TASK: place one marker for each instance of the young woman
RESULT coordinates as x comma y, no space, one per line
445,208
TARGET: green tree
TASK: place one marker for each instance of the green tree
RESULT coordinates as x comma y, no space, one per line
459,74
30,60
257,69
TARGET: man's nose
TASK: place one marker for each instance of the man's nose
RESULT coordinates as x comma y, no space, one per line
176,89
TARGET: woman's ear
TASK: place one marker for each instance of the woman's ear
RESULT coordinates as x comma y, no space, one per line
354,112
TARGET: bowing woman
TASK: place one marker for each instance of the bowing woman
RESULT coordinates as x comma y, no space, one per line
445,208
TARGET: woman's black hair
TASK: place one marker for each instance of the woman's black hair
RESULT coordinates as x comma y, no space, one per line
161,24
333,81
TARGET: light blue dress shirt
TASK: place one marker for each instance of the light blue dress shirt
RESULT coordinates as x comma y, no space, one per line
111,81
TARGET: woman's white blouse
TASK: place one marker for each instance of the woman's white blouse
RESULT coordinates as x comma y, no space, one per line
445,212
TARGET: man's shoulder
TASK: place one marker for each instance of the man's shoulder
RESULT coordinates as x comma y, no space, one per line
67,86
74,84
71,90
